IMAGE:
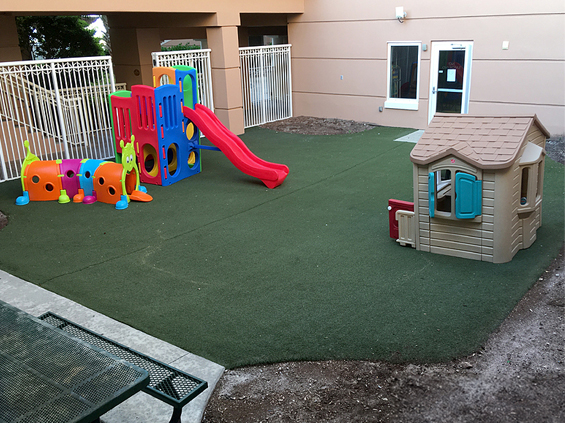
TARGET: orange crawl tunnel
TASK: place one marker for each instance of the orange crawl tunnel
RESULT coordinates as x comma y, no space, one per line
42,181
107,182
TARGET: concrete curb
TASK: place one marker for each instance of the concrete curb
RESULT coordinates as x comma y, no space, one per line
141,407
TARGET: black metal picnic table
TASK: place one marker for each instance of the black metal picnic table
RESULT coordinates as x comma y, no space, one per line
47,376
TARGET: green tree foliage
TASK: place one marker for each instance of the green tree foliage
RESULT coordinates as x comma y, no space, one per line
55,37
180,47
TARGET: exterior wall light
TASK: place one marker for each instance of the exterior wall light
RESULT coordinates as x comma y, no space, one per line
400,14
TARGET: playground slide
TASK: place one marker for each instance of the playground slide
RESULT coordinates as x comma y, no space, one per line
271,174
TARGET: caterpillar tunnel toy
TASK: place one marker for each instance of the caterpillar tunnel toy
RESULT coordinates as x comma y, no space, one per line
85,181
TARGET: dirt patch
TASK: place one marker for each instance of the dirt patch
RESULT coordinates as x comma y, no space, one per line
517,376
309,125
555,148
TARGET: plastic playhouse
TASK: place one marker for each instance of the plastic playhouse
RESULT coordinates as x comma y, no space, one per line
166,121
85,181
478,187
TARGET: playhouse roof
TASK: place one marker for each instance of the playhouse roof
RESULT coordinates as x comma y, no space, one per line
488,142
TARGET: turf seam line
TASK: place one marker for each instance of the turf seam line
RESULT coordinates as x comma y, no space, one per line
226,217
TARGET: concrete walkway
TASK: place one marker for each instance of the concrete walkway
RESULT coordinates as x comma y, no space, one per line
141,407
412,137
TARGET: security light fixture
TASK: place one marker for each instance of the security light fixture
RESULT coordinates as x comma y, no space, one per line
400,14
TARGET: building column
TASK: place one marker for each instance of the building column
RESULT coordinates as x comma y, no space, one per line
131,54
226,76
9,43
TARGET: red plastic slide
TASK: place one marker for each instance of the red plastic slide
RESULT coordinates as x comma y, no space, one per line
271,174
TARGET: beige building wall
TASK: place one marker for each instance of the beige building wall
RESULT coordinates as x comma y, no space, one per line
339,50
339,57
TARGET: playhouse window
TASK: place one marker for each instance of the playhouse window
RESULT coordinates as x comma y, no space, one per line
524,186
443,190
531,186
531,178
539,187
454,194
403,77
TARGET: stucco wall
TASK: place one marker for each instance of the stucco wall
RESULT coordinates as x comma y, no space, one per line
339,51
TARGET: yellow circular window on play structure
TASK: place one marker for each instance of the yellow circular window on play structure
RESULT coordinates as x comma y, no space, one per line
150,160
189,131
191,159
172,159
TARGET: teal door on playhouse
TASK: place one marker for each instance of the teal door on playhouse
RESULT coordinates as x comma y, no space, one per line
454,194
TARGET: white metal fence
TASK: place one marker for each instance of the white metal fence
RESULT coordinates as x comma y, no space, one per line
60,106
199,60
265,80
265,84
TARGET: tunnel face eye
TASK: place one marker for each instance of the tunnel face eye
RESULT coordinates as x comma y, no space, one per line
49,187
101,181
111,191
35,179
70,174
87,174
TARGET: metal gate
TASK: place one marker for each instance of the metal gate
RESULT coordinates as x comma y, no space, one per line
199,60
265,84
60,106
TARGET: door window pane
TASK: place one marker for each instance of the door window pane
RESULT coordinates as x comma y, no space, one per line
451,67
449,102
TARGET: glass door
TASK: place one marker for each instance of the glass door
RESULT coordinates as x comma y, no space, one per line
450,77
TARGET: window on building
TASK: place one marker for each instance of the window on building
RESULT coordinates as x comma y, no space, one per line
459,198
403,87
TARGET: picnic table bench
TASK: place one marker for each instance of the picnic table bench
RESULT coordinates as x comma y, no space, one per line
50,377
168,384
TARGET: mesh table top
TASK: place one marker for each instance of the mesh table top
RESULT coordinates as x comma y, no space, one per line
167,383
47,376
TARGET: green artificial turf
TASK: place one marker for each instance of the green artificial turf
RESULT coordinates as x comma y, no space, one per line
227,269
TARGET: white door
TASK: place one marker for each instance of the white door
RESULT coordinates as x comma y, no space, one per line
450,79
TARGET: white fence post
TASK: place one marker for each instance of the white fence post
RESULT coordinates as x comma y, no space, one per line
59,109
265,84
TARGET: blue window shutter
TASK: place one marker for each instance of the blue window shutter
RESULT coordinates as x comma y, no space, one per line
432,193
468,196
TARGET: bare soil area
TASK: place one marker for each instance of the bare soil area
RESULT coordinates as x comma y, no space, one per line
309,125
517,376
